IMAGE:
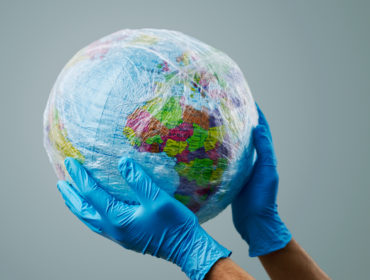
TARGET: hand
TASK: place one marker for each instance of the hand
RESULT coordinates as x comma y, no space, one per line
254,210
160,225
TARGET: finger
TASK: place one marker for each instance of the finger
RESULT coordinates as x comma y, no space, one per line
87,187
264,147
80,207
262,120
144,187
261,116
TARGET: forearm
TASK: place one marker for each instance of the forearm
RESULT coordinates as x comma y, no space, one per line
226,269
292,262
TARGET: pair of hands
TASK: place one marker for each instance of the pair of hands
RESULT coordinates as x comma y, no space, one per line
164,227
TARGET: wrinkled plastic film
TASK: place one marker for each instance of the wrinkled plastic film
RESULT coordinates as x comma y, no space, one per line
179,107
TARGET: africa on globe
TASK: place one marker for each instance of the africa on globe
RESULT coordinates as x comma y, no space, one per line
179,107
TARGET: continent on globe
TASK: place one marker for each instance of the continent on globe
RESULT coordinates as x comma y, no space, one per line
187,135
56,131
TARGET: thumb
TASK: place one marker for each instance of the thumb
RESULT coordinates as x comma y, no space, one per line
144,187
264,146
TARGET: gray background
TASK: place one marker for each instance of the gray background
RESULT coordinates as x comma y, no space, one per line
308,65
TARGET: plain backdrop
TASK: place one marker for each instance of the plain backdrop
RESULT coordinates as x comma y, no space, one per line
307,63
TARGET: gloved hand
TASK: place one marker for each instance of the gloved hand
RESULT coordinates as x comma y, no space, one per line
254,210
160,225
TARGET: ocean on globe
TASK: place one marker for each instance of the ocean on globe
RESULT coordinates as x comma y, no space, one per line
179,107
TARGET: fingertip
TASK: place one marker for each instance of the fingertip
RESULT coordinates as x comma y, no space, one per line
66,191
71,164
261,116
125,166
67,161
62,185
258,131
59,183
77,171
258,107
138,180
122,162
71,197
260,138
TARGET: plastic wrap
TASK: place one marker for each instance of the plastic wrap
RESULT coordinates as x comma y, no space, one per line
179,107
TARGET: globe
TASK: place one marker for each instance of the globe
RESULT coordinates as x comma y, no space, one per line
179,107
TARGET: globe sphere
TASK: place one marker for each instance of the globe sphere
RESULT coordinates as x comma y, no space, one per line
179,107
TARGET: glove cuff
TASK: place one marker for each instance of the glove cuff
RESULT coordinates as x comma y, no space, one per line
266,236
202,255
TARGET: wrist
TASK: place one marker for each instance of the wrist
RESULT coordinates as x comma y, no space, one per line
202,254
265,235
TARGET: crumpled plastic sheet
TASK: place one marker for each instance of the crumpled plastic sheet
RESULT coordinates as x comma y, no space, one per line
179,107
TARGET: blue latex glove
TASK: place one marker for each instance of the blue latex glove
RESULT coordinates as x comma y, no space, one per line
160,225
254,210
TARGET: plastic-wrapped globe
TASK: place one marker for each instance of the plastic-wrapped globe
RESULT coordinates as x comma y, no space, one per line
179,107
